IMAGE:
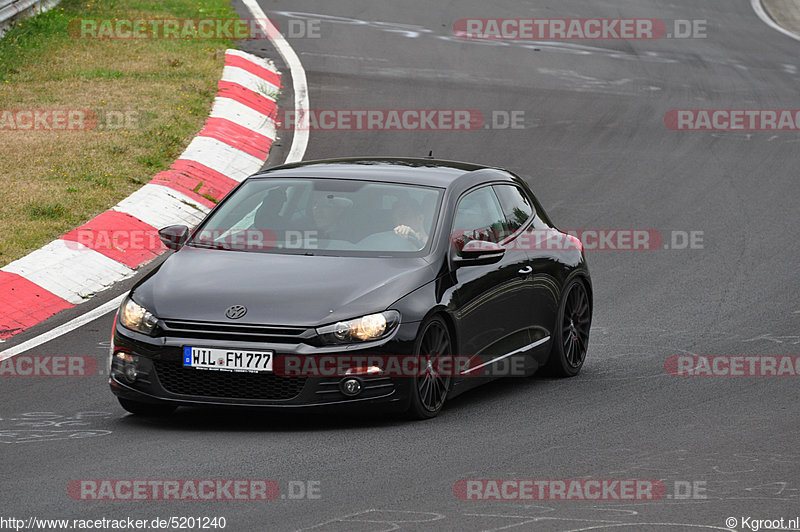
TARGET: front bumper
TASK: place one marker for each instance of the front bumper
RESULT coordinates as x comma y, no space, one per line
161,377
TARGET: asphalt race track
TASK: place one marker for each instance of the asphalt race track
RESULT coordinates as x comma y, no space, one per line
597,152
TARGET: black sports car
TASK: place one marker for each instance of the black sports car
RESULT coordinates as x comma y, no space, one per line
394,282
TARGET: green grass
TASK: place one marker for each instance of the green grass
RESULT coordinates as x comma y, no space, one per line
97,73
45,211
53,181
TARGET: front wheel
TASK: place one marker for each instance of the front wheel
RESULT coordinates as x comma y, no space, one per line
571,339
434,351
146,409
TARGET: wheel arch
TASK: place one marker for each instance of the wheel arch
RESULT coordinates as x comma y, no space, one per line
582,276
449,321
442,312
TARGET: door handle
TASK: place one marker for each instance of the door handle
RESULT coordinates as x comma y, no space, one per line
525,271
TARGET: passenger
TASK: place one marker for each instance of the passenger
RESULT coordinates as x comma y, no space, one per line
327,211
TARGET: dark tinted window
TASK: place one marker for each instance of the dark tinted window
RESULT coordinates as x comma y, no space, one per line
478,217
325,216
516,207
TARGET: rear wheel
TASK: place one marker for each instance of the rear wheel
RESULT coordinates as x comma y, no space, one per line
571,339
434,350
146,409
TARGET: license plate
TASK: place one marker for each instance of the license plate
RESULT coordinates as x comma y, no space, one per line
227,359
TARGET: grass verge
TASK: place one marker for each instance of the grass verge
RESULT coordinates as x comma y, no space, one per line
148,98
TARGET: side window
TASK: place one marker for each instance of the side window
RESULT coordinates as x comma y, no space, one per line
478,217
516,207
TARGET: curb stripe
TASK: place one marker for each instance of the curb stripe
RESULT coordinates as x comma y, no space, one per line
249,81
219,156
69,270
160,206
25,304
215,184
254,100
183,184
261,61
121,237
255,69
243,115
237,136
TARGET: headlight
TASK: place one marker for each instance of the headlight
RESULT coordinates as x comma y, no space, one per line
136,318
364,329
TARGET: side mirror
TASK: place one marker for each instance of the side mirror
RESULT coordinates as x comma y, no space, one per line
479,252
174,236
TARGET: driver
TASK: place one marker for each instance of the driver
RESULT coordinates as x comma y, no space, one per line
410,221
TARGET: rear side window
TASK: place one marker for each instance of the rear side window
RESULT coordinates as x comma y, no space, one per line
478,217
516,206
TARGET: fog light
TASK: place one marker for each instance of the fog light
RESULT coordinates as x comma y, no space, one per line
130,370
350,387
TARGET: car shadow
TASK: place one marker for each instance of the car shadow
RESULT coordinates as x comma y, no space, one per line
239,419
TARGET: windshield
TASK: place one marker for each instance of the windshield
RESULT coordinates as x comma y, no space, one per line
325,216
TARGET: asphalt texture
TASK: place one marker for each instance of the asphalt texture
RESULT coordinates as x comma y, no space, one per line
596,151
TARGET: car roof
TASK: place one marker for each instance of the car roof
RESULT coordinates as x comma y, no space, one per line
406,170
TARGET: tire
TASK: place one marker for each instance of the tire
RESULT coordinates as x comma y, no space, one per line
571,338
429,390
146,409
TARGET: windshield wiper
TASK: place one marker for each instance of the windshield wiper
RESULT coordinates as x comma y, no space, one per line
208,245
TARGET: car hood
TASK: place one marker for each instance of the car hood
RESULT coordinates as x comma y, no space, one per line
277,289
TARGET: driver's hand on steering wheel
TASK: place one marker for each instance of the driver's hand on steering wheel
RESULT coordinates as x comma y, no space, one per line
406,232
409,234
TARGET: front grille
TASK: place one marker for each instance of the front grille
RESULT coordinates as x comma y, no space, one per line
237,332
188,381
